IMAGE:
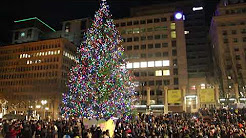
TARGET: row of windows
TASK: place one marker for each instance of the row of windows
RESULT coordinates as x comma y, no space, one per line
29,82
157,83
144,21
144,38
30,75
30,48
149,46
46,53
165,72
234,40
232,24
31,68
150,55
149,29
233,32
236,11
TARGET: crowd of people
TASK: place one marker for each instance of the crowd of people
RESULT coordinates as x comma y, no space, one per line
207,123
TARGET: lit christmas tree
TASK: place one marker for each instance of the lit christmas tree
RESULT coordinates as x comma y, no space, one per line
99,84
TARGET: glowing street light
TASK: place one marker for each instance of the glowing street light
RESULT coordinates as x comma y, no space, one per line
178,15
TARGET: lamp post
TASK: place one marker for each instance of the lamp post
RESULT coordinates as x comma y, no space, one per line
44,102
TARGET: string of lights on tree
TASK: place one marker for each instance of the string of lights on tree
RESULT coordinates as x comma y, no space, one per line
99,84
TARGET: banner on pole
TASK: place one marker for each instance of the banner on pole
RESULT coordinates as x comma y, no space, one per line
207,96
174,96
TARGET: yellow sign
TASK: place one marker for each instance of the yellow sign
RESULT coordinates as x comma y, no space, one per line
174,96
207,96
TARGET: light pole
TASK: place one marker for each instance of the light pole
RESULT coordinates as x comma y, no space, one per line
44,102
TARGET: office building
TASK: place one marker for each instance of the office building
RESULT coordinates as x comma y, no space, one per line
228,39
35,71
156,52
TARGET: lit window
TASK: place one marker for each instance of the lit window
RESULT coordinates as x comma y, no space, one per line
173,26
158,73
151,64
193,87
136,30
46,53
202,86
55,52
166,72
43,53
49,53
129,65
20,55
158,63
186,32
143,64
28,62
229,77
165,63
136,65
173,34
229,86
52,53
58,52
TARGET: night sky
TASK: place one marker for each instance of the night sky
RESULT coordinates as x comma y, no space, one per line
54,12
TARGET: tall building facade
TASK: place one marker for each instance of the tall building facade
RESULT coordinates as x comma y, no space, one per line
156,52
35,71
228,39
196,37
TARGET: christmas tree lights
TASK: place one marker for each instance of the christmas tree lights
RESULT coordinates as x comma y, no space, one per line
99,84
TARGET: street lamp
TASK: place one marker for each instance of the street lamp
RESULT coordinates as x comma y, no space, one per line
44,102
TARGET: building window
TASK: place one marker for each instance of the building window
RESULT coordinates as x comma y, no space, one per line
136,39
151,63
174,52
142,22
176,81
129,39
143,46
143,64
163,19
235,40
158,63
158,73
16,35
156,20
67,27
29,33
165,54
174,44
143,55
173,34
151,73
151,83
143,38
135,22
175,62
157,45
234,32
129,47
163,36
136,31
164,44
166,72
150,55
150,37
238,57
150,46
157,36
83,24
129,23
166,82
149,29
244,39
123,24
158,82
136,47
225,41
143,74
149,21
224,32
175,71
173,26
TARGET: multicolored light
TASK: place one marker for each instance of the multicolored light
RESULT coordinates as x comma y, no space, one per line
98,85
